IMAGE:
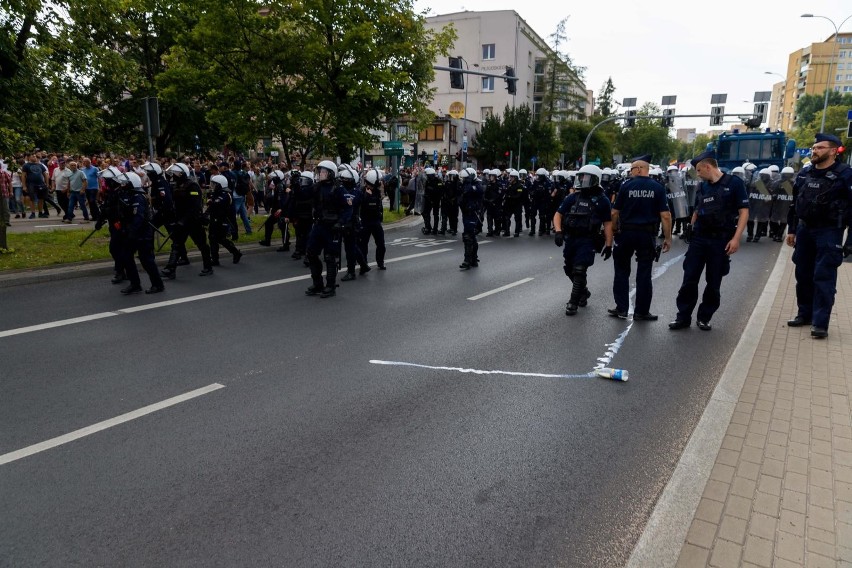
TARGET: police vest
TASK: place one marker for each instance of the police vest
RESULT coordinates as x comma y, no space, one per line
582,219
821,201
434,187
371,207
711,207
325,209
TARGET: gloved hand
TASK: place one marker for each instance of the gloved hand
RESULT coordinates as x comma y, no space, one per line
559,239
606,252
117,225
277,214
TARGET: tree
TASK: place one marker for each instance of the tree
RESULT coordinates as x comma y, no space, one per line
517,126
605,102
648,137
562,78
318,75
809,105
835,120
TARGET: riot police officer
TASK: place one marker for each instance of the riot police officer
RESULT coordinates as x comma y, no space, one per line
577,223
219,206
721,213
759,205
540,198
782,197
110,215
189,222
350,223
300,213
372,212
135,230
527,183
639,207
432,191
329,206
471,205
493,196
513,203
162,203
450,203
819,213
677,200
278,205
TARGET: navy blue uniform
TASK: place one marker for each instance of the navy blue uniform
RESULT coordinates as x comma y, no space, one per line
219,210
471,204
513,205
717,207
493,198
372,213
137,236
350,222
450,205
278,205
188,224
822,200
432,192
540,205
329,207
639,202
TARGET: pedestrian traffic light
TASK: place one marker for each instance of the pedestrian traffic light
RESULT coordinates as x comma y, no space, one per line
630,121
511,84
668,122
456,77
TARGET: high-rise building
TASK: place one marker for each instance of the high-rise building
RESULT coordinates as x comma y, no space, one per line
808,74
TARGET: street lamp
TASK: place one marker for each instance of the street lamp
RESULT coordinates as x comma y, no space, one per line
783,97
830,62
464,120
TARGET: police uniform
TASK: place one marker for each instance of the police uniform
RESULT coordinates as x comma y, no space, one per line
540,199
450,204
372,212
277,206
819,213
513,203
582,214
137,235
329,205
717,207
470,204
189,222
219,210
350,222
432,191
300,213
639,202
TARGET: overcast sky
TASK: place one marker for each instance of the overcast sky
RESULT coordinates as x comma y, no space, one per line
692,50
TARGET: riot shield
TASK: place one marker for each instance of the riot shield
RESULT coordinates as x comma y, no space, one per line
691,182
759,202
419,197
677,197
782,197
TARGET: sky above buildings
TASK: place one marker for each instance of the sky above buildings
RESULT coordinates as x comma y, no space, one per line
691,50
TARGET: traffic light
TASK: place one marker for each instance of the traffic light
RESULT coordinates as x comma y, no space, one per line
458,156
630,121
456,78
423,156
668,122
716,113
511,85
760,112
414,149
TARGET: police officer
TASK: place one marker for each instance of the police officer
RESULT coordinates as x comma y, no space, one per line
493,195
329,205
639,207
278,204
300,213
432,191
540,198
136,231
189,222
577,223
782,196
513,203
759,204
527,183
350,223
162,203
450,204
721,213
470,204
372,212
219,206
821,209
110,215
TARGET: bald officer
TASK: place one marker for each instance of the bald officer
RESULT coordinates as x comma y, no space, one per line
720,216
640,204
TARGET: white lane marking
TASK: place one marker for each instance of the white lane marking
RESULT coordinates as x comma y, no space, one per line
62,226
94,428
612,348
176,301
500,289
482,372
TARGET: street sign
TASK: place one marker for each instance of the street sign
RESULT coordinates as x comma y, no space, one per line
434,155
534,159
394,152
457,109
395,144
803,152
464,146
849,114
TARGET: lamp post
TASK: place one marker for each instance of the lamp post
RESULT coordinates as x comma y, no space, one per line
830,62
464,119
783,96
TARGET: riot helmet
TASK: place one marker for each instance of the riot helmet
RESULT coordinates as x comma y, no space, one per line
372,177
113,177
218,182
606,175
471,173
587,177
514,174
765,175
326,170
738,172
452,173
152,168
787,173
306,179
522,173
463,175
346,177
178,172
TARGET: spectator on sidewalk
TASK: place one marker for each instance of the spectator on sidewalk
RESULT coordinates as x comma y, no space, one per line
35,174
92,185
59,185
822,198
18,189
77,183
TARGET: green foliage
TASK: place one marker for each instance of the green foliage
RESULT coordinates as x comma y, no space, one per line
808,106
500,135
648,137
835,120
562,77
605,102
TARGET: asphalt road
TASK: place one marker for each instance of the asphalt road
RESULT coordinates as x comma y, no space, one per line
311,455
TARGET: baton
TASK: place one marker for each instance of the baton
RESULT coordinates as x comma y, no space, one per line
153,226
95,230
164,242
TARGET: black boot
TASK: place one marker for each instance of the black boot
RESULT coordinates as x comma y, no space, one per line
118,277
169,270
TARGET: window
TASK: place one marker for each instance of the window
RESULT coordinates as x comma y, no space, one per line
433,132
486,112
488,51
488,84
842,54
402,130
841,67
539,66
838,77
849,76
453,133
529,59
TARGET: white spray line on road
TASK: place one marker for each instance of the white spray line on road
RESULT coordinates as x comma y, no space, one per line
480,371
500,289
60,226
176,301
94,428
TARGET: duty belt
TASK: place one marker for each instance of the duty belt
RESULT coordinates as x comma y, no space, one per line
649,227
715,233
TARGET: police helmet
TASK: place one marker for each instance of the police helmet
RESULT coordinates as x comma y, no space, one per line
113,177
372,177
522,173
133,180
452,173
514,173
152,168
464,174
306,179
765,173
541,172
471,173
326,170
588,176
178,171
671,169
787,171
738,171
219,182
279,174
749,167
606,174
346,175
429,171
773,168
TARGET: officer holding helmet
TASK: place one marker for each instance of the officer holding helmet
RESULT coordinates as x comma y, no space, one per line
639,207
820,211
577,223
720,216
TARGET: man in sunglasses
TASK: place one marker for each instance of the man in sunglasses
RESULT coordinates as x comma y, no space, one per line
822,196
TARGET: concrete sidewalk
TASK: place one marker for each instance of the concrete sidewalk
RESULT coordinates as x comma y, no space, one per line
778,491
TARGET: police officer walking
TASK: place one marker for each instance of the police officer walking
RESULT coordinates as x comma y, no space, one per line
471,204
329,205
372,212
820,211
219,206
639,206
577,223
189,222
720,216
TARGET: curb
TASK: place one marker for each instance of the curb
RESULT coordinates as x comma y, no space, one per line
105,267
665,532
